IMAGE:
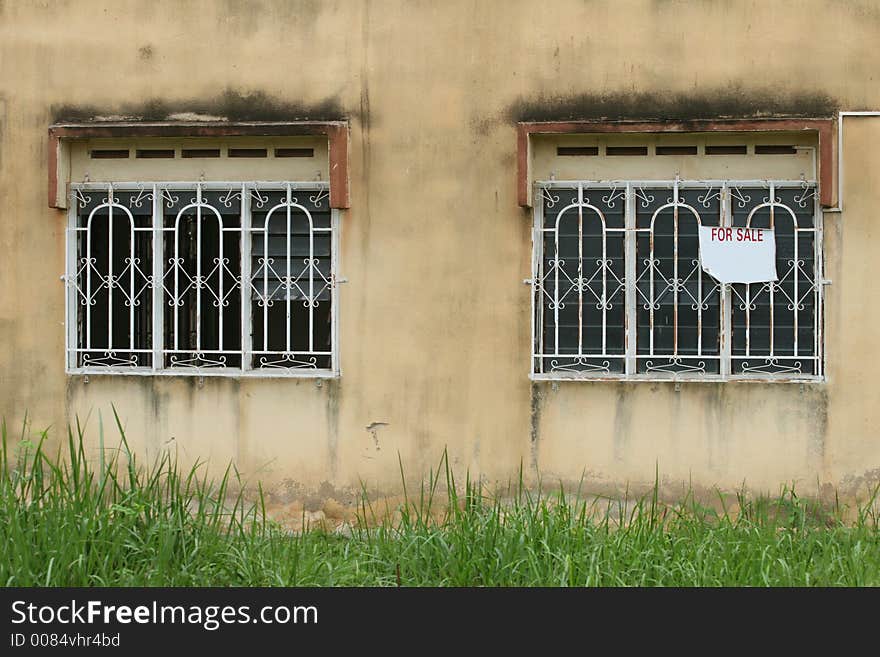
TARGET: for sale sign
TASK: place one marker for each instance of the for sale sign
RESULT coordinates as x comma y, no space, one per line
738,255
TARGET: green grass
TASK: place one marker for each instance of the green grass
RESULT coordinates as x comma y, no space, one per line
67,522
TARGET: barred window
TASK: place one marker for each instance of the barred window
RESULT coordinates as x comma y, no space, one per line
619,290
201,278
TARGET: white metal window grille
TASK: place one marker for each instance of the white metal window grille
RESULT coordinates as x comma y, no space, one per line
202,278
618,290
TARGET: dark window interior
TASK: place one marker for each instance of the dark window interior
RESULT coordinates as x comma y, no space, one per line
200,152
154,153
577,150
626,150
294,152
109,154
247,152
676,150
774,149
726,150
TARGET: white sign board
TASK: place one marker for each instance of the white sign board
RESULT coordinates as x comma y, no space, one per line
738,255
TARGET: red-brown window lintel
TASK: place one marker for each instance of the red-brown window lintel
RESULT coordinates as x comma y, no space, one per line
823,127
335,131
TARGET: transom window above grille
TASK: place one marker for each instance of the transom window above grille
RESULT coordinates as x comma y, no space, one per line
202,278
619,290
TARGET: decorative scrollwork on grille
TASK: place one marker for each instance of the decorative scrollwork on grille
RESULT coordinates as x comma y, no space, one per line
808,193
549,198
259,199
580,365
771,366
109,359
230,197
197,360
676,365
643,197
289,361
81,199
610,199
170,199
742,199
144,195
711,194
318,199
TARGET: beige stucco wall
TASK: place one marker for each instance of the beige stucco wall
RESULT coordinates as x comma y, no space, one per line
434,318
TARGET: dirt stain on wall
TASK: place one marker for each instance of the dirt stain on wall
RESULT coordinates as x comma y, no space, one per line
333,394
733,101
230,105
622,420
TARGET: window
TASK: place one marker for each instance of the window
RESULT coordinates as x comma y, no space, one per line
619,291
202,278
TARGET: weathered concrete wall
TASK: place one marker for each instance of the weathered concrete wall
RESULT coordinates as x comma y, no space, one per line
852,447
434,320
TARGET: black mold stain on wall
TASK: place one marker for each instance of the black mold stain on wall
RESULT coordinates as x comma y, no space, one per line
623,408
537,397
231,105
728,102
